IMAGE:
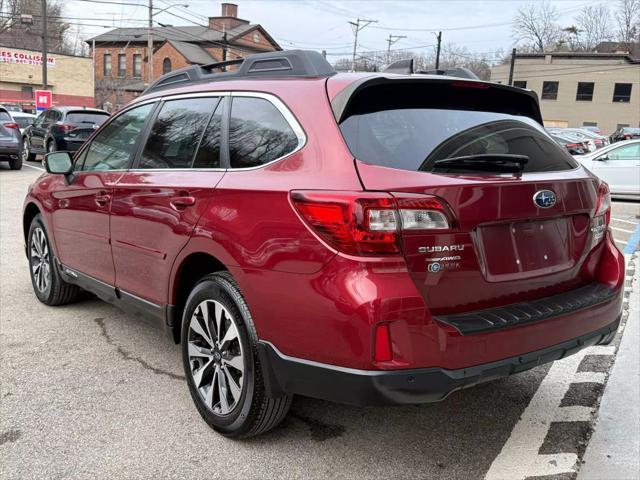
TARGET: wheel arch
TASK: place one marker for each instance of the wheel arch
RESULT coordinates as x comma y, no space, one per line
31,210
190,270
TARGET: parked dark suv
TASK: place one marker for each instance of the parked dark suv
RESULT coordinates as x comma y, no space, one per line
372,239
60,128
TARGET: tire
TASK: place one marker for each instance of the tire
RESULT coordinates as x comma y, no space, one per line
246,410
26,154
51,146
49,287
16,164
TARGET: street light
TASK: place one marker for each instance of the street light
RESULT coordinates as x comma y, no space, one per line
150,35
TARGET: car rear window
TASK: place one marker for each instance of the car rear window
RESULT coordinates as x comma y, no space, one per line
4,117
92,118
23,122
413,126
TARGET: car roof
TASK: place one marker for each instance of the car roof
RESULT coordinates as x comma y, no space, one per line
22,114
65,109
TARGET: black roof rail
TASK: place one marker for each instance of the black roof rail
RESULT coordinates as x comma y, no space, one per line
407,67
289,63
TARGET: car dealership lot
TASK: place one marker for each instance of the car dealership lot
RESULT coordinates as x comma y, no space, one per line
90,392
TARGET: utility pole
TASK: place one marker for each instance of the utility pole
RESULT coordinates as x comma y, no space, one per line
356,28
439,36
391,40
44,45
150,44
512,66
224,45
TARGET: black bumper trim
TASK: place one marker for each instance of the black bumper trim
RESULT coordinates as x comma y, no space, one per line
284,374
516,314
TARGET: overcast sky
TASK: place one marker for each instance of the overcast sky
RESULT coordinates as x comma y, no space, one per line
479,25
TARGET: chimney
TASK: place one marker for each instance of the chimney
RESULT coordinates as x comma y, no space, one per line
229,10
228,20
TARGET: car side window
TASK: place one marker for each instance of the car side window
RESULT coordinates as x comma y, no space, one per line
112,148
176,133
258,133
40,120
208,155
627,152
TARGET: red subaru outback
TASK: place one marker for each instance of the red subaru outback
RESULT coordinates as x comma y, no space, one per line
372,239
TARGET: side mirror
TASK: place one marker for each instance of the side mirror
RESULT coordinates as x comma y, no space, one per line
58,163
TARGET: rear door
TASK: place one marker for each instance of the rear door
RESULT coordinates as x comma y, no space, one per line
39,129
511,235
620,168
157,204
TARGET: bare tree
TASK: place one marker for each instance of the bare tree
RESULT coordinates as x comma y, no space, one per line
628,20
537,24
18,33
594,26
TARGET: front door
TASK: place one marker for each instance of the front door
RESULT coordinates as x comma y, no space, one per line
82,204
157,204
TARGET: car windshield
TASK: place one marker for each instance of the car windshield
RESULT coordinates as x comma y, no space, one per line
412,131
632,131
91,118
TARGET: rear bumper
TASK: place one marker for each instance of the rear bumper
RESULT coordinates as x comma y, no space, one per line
9,151
284,374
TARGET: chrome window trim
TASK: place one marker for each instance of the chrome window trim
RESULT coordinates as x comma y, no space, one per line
289,117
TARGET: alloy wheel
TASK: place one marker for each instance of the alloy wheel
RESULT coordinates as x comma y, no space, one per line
216,357
40,260
51,147
25,150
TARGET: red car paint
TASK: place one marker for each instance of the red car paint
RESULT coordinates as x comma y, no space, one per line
314,302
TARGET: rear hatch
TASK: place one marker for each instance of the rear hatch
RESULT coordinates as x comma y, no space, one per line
516,230
80,124
7,135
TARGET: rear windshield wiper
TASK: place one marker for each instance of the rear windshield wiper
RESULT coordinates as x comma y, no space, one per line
484,162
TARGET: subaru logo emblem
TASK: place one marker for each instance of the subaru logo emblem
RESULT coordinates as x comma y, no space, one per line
544,199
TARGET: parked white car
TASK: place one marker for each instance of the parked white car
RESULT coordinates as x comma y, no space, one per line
22,119
619,166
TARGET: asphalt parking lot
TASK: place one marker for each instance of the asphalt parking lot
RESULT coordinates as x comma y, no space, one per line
89,392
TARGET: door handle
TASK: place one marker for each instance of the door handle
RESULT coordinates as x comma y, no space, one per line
180,203
102,199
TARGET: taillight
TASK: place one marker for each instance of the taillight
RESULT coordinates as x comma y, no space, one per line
368,223
11,125
600,222
573,145
67,127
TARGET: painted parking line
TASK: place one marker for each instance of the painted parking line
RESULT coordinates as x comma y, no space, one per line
624,221
634,241
620,241
33,166
561,414
621,230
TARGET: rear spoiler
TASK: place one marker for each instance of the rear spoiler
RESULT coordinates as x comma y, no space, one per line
519,101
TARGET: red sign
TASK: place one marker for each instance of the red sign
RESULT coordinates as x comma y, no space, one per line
43,99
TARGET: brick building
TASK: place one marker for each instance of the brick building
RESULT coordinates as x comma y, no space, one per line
580,88
69,78
121,59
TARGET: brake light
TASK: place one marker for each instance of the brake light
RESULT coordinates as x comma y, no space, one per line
573,145
368,223
67,127
11,125
467,84
600,222
382,349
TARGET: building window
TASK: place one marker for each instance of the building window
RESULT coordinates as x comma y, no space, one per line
166,65
137,65
106,61
520,83
589,124
622,92
584,92
549,90
122,65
